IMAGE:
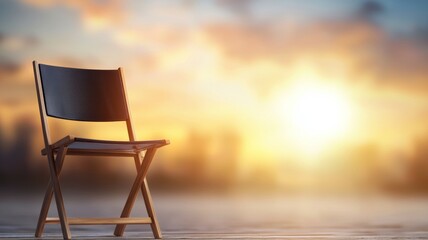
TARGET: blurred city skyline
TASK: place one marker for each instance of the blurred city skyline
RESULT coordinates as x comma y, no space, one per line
290,95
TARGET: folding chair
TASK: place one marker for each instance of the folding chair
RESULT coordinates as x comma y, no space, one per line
96,96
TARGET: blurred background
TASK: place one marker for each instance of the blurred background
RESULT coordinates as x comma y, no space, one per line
255,96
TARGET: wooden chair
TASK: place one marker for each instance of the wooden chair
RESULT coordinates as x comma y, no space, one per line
97,96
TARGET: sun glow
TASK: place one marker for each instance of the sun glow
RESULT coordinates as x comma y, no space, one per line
316,115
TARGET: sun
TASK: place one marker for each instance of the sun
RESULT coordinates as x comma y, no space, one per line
316,115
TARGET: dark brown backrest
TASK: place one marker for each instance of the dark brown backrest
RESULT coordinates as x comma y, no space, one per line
83,94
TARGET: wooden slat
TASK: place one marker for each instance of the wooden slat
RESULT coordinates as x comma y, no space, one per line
102,221
79,152
152,142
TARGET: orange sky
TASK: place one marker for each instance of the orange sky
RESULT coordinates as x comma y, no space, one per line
292,83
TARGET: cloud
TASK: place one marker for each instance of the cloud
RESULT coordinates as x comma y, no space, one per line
244,41
41,3
323,44
96,14
421,34
370,9
100,14
15,43
151,37
239,7
355,45
113,17
277,38
8,69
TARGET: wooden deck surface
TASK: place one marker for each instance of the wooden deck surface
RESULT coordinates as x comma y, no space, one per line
231,217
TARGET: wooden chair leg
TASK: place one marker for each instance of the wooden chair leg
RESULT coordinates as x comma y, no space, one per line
142,172
150,210
58,195
44,211
48,198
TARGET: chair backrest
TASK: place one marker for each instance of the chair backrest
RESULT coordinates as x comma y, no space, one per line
81,95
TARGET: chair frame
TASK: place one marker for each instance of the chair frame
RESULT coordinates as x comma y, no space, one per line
56,152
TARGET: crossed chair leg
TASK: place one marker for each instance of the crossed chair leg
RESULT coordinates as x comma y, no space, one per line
140,182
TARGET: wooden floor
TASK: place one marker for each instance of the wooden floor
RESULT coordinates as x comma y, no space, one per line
231,217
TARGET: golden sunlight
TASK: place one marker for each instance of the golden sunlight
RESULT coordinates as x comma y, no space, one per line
316,116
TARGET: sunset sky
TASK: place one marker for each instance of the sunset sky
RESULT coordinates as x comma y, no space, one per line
290,84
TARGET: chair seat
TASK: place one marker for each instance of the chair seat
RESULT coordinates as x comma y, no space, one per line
77,146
